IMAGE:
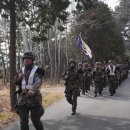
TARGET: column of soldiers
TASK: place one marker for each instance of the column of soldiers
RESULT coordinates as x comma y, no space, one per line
80,77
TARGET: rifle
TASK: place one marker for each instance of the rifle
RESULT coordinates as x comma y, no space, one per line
18,85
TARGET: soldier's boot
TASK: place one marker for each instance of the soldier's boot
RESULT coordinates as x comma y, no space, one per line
111,94
86,91
74,105
73,111
95,94
100,94
83,91
114,91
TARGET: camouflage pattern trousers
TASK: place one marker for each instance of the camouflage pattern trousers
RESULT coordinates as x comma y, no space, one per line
35,112
71,97
112,86
98,87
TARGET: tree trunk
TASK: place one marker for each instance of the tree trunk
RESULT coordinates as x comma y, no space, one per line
66,52
18,45
4,70
12,53
55,70
59,59
49,53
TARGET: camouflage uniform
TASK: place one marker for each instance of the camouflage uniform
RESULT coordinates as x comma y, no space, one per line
97,75
72,88
80,74
104,79
27,103
87,77
112,78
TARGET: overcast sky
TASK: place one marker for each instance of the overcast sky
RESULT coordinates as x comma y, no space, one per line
112,3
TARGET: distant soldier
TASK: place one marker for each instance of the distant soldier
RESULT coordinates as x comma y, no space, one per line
97,75
87,76
118,75
80,73
72,91
112,77
104,79
30,98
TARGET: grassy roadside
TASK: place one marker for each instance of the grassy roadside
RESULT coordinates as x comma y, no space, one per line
50,98
7,117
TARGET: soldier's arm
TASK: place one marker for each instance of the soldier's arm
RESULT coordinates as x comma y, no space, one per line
65,75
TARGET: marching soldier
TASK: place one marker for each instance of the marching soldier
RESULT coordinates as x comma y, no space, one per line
104,79
80,73
30,98
112,77
97,75
86,76
71,82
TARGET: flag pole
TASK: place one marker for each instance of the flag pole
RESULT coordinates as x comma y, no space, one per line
82,56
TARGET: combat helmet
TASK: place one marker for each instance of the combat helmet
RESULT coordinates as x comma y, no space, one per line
29,55
80,64
98,63
72,61
111,61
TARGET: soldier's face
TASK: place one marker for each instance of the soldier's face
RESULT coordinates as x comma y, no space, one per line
85,66
27,61
100,66
111,64
80,67
72,64
97,66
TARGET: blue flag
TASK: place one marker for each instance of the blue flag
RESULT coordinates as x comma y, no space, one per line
81,44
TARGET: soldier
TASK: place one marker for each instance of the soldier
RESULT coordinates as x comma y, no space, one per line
86,76
80,73
30,98
72,88
104,79
112,77
97,75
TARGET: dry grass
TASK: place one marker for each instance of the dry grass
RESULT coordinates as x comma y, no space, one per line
51,98
47,84
6,116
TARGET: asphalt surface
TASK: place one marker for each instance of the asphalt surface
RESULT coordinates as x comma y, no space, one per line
100,113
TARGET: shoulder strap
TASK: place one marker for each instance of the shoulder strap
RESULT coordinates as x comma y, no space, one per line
23,68
31,76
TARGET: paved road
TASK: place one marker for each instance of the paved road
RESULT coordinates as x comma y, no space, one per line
101,113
